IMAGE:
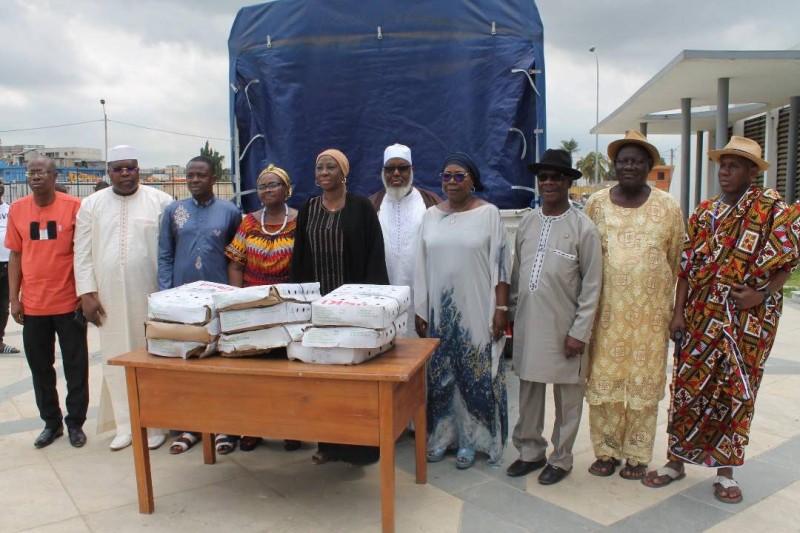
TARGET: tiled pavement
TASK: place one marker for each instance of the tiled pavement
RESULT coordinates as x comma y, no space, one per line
62,489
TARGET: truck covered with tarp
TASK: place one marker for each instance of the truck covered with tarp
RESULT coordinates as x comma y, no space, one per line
437,75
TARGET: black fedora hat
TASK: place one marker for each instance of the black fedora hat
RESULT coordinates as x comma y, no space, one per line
556,159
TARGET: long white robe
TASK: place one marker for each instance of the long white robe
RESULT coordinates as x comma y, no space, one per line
116,256
400,222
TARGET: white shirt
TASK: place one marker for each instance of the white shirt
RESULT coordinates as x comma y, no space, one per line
4,252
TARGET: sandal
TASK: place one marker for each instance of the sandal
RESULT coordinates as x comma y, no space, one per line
465,458
435,455
633,473
291,445
8,349
248,444
224,444
722,483
604,467
655,480
183,443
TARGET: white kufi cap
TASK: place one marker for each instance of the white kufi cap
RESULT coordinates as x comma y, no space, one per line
397,150
122,153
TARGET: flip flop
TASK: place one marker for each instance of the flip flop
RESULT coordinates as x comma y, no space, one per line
465,458
8,349
183,443
604,467
223,444
722,482
665,471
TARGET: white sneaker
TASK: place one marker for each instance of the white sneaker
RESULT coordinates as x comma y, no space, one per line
122,440
155,442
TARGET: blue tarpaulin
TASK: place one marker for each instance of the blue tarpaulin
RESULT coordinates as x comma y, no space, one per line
437,75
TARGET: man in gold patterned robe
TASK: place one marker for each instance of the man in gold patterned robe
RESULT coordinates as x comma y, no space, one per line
641,231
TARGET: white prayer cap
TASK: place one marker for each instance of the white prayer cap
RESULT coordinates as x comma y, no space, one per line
397,150
122,152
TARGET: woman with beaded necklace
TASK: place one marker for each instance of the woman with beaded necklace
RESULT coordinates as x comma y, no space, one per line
260,254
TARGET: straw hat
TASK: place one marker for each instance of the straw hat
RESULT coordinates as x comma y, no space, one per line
743,147
633,137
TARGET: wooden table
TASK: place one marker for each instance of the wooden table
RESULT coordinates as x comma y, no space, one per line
368,404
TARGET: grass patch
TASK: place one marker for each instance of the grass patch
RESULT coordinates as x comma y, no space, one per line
793,283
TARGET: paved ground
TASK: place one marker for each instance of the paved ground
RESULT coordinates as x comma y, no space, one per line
64,490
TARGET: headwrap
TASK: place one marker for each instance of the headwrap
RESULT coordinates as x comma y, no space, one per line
463,160
339,157
282,174
397,150
123,152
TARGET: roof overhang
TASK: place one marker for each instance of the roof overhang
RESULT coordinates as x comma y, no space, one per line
759,81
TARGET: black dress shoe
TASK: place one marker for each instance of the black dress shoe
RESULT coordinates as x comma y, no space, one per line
520,468
552,474
47,436
76,437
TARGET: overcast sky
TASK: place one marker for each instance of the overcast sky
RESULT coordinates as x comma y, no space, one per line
164,64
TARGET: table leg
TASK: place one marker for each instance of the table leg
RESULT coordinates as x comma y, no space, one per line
209,450
386,413
420,444
141,453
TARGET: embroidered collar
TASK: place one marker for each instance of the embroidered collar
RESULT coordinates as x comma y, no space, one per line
204,204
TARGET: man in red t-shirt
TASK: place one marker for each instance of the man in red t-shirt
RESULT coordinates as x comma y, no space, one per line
43,299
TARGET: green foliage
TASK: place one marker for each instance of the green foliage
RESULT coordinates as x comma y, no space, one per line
215,157
587,162
570,146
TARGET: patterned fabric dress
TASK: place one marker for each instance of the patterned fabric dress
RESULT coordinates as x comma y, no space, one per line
266,258
461,259
722,360
641,254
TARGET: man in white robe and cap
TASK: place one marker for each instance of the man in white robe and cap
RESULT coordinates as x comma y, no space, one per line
116,267
400,208
555,287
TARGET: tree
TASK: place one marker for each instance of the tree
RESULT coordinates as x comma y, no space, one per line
215,157
570,146
587,162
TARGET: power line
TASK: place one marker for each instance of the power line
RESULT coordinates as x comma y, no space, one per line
168,131
52,127
16,130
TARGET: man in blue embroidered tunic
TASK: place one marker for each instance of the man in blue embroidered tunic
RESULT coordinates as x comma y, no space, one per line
555,286
195,231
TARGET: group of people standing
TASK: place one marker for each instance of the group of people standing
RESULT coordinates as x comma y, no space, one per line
591,297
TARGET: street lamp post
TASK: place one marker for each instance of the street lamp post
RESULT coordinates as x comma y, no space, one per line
105,131
596,116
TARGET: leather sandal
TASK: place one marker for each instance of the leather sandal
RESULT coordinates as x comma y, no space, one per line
604,467
224,444
183,443
248,444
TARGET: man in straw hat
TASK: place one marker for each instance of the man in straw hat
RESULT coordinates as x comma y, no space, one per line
641,229
116,251
400,206
741,248
555,285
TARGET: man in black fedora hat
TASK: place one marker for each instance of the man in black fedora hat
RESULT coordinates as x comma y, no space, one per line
555,285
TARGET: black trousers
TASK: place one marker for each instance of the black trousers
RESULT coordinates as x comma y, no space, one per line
39,339
3,299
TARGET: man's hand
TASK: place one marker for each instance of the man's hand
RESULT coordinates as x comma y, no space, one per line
745,297
573,347
677,324
16,311
499,324
92,309
420,326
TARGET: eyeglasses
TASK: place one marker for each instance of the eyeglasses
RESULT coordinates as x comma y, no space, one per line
34,173
271,186
397,168
635,163
557,177
123,169
457,176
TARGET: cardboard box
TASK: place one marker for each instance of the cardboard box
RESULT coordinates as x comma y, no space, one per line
182,332
366,306
264,317
170,348
334,356
266,296
260,341
353,337
188,304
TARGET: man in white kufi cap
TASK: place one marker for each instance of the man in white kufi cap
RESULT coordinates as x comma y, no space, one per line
400,207
116,253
